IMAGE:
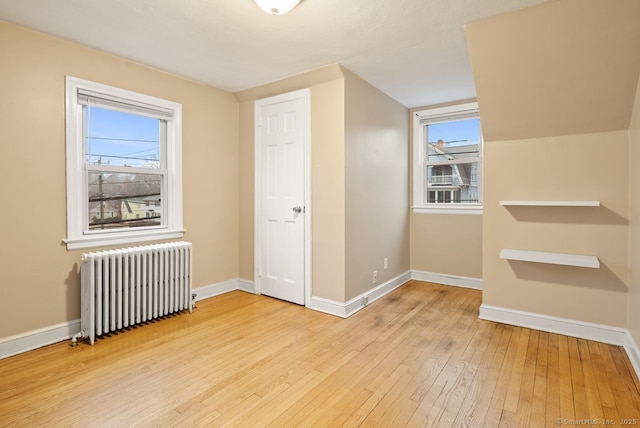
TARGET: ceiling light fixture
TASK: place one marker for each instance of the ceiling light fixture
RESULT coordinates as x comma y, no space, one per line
277,7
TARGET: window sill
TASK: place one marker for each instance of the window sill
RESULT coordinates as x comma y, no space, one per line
449,209
103,240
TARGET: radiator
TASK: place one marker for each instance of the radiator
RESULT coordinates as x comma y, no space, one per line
124,287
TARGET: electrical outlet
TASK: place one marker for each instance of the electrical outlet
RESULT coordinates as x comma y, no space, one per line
375,276
386,263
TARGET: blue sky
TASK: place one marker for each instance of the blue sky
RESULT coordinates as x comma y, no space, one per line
452,131
122,138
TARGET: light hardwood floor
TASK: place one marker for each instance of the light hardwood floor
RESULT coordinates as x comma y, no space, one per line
418,357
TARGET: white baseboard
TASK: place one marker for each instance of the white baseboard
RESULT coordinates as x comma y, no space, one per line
246,285
345,310
219,288
568,327
445,279
213,290
34,339
584,330
633,352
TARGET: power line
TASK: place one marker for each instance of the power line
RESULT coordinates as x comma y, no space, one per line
141,151
121,157
123,139
128,197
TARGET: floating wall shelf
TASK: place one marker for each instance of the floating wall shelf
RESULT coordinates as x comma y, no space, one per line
551,258
551,203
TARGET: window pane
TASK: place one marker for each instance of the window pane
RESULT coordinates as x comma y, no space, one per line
123,139
119,200
453,183
453,140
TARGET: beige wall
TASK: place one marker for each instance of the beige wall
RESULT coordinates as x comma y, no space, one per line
327,176
556,85
246,199
634,220
577,167
328,225
40,279
445,243
376,156
562,67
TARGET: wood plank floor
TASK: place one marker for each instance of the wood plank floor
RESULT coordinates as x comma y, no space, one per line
418,357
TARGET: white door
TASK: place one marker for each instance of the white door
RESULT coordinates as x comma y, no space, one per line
281,139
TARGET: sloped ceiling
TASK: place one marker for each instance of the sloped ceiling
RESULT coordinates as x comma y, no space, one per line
559,68
413,50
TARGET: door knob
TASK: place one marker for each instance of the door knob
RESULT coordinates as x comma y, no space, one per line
297,209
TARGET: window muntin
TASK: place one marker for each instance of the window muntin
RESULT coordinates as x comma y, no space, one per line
448,160
124,174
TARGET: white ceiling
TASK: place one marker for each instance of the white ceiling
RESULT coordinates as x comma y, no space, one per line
413,50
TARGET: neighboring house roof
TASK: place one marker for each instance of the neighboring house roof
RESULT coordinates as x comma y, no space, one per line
451,152
460,151
110,206
454,152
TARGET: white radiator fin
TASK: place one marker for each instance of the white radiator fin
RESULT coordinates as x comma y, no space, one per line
124,287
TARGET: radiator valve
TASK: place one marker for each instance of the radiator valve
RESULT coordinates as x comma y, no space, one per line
74,339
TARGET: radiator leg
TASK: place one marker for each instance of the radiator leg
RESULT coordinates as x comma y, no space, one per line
74,339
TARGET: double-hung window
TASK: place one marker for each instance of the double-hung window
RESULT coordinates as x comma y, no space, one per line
447,157
124,166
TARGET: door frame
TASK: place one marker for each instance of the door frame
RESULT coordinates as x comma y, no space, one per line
305,95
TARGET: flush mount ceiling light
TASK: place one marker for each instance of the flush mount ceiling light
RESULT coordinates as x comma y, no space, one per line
277,7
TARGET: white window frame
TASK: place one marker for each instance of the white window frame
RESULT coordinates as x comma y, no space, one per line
78,234
432,116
